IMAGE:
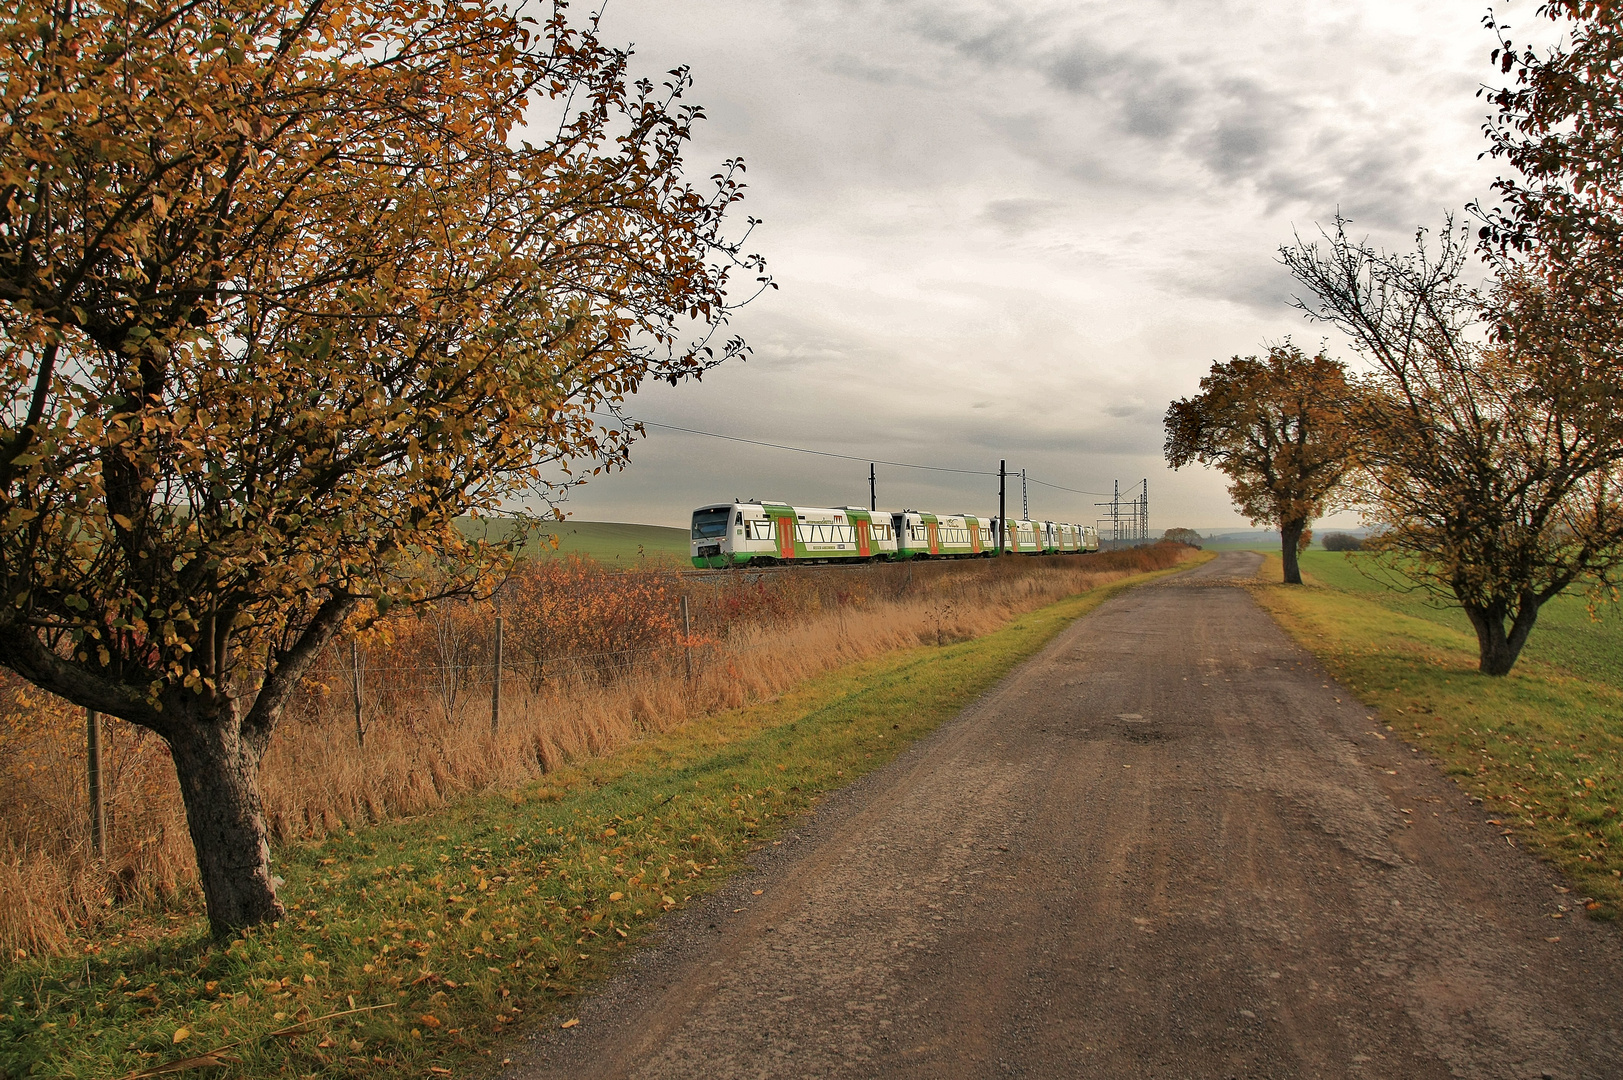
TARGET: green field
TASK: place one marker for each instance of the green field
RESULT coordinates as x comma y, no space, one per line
606,541
1566,635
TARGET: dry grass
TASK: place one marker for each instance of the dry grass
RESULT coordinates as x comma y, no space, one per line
426,708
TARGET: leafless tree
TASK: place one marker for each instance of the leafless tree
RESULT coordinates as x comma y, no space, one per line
1488,486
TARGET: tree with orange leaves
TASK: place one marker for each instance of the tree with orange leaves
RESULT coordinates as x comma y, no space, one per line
1275,426
285,289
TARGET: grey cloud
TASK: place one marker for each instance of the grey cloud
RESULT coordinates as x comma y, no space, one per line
1016,228
1017,216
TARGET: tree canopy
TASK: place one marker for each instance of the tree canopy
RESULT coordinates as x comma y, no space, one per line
1557,233
1274,425
285,289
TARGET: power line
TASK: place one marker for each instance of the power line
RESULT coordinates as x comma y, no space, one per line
851,457
819,453
1073,491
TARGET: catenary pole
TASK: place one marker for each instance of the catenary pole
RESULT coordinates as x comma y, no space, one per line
1002,502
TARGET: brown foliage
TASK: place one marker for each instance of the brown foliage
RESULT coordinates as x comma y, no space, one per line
1557,236
284,292
1275,425
1491,489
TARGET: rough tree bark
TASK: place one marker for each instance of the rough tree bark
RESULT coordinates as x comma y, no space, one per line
1501,635
217,761
1290,539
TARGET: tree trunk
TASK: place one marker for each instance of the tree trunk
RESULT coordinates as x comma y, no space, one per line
219,780
1290,535
1498,646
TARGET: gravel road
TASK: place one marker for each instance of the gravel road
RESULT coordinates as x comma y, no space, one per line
1170,846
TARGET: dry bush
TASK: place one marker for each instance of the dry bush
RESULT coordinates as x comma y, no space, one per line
594,659
49,879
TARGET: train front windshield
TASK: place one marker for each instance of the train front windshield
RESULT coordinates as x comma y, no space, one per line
709,524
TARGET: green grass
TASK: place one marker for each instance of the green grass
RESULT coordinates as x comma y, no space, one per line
1542,747
1566,634
494,914
606,541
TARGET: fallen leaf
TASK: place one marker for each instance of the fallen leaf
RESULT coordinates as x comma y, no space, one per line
757,892
570,1023
180,1035
615,897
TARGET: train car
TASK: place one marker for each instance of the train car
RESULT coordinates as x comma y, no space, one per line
1069,539
1022,537
762,533
929,536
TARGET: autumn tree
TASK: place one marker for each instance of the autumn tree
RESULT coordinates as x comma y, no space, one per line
286,287
1274,425
1556,235
1487,484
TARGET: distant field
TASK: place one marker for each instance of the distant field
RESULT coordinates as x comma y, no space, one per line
1565,635
605,541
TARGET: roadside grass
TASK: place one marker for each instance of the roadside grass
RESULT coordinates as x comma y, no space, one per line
457,926
1542,747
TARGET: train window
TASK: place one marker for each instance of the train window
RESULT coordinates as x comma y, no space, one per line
708,524
740,519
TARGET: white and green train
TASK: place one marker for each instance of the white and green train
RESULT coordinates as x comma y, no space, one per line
765,533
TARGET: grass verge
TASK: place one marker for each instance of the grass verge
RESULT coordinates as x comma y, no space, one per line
1541,747
1567,635
412,948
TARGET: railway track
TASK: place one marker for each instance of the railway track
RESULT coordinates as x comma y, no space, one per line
736,572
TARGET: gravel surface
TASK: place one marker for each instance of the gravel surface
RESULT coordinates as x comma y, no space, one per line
1170,846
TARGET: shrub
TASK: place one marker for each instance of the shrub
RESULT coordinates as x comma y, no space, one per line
1338,541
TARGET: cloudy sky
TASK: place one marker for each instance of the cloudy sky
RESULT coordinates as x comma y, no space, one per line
1017,230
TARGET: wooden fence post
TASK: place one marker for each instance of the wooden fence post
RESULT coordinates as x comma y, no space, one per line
687,632
98,810
496,680
355,688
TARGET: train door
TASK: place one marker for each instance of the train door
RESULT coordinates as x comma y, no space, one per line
864,548
785,527
975,537
933,531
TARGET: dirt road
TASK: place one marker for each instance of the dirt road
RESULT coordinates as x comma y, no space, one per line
1170,846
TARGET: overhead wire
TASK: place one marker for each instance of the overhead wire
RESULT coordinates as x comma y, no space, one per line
819,453
856,457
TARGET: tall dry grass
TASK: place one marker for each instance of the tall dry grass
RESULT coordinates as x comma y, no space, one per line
592,659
